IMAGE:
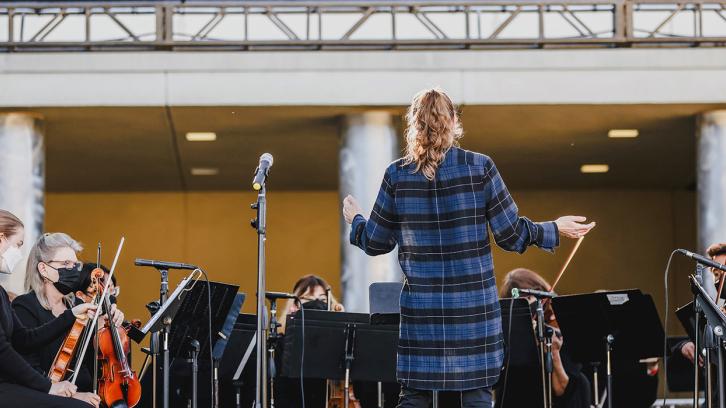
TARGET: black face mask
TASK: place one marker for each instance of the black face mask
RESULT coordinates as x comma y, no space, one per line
112,299
316,304
67,280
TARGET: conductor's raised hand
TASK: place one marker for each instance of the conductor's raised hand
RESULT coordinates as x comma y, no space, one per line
351,208
573,226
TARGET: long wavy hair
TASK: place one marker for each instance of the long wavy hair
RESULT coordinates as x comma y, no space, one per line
433,126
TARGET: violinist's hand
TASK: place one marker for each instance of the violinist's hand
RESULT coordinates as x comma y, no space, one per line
571,226
85,309
89,398
62,389
117,316
351,208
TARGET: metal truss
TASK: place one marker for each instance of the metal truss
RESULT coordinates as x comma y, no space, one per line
358,24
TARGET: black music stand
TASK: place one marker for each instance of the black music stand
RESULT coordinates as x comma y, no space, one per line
596,325
326,333
189,331
522,359
521,346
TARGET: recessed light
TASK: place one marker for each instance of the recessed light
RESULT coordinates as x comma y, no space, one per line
594,168
622,133
205,171
201,136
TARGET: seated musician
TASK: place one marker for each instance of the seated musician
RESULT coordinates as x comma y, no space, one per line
570,388
20,384
52,276
686,349
313,293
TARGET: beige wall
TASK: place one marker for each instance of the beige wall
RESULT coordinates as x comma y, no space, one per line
628,249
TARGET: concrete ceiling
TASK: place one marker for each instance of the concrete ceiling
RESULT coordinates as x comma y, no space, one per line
535,147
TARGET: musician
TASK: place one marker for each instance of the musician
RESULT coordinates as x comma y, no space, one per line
570,387
20,384
435,203
52,276
716,252
312,293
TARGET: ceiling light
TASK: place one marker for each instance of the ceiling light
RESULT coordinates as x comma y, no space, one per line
201,136
623,133
205,171
594,168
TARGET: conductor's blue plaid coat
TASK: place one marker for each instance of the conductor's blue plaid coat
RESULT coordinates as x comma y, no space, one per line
451,334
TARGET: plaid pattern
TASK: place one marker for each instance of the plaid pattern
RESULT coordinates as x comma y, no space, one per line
451,335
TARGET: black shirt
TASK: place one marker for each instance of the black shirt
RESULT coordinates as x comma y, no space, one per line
32,314
14,335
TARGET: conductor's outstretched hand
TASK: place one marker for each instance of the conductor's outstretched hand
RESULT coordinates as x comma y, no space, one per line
351,208
572,226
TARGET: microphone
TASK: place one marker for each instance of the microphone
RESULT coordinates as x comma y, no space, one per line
516,293
702,259
164,265
279,295
261,171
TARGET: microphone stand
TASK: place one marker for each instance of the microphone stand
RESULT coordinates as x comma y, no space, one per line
159,345
260,224
544,338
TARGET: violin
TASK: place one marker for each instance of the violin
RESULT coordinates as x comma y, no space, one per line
118,381
62,360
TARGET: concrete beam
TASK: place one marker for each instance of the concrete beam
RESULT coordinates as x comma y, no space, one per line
619,76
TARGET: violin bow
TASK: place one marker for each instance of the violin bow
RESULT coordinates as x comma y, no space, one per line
95,343
94,322
567,262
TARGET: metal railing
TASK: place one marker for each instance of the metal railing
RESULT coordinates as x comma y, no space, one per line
358,24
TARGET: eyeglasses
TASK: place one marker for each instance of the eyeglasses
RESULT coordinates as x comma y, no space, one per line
305,299
68,264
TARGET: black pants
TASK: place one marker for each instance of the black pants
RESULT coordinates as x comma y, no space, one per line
477,398
14,395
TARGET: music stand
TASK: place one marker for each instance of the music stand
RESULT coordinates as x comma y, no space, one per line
521,346
326,334
595,325
159,323
522,352
189,330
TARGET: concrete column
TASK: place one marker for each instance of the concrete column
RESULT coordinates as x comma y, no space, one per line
22,181
711,174
369,144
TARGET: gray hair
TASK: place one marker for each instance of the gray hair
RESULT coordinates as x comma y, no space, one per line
44,250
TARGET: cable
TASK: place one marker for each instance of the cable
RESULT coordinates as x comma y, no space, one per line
302,353
509,352
665,330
